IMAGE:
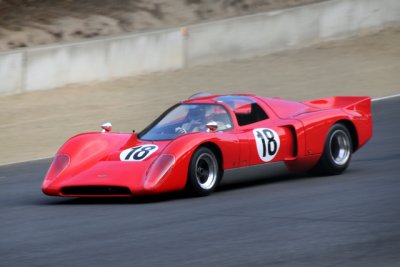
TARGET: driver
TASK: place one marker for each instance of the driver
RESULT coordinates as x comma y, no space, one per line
195,122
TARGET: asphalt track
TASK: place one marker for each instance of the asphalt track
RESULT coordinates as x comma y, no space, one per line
279,220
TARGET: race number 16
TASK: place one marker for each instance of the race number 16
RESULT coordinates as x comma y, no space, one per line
268,142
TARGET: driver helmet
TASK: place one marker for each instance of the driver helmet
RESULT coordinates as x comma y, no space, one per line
197,113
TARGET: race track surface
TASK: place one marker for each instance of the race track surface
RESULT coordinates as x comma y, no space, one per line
285,220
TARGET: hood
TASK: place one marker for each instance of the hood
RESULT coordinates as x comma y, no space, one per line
105,159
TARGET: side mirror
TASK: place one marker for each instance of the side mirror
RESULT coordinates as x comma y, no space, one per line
106,127
212,126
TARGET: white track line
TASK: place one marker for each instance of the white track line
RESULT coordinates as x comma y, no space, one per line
385,97
373,100
24,161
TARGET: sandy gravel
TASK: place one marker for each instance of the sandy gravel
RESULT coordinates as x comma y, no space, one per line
37,22
34,125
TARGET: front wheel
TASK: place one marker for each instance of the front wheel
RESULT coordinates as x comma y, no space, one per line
204,172
337,152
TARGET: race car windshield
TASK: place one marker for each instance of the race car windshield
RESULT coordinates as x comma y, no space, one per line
187,118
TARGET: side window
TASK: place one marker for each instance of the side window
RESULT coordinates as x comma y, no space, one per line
249,114
246,110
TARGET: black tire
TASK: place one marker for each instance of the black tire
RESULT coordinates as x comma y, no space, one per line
204,172
337,152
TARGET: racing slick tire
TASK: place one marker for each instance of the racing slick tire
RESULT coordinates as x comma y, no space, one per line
337,152
204,172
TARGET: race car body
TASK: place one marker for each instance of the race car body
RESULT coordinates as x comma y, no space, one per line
191,144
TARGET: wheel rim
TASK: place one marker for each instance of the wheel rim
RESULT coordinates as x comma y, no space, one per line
340,147
206,171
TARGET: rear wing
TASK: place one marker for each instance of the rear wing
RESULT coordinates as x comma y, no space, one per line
361,104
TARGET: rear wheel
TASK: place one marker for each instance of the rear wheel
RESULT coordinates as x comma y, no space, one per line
337,152
204,172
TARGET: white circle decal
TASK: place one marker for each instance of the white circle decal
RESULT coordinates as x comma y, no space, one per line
268,142
137,153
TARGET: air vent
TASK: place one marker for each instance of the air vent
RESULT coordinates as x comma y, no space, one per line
95,191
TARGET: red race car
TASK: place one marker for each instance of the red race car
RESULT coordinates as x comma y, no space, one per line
191,145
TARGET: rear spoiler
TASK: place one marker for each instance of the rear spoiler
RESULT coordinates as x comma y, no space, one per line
362,104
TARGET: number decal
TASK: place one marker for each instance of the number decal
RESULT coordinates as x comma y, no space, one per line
137,153
268,142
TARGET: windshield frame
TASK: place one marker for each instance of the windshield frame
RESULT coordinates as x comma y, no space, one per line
165,113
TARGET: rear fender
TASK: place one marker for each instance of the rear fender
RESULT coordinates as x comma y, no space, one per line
317,125
350,110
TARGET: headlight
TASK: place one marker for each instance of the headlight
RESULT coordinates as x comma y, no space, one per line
158,170
59,163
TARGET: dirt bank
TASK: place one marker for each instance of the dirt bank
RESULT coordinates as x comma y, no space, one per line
26,23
